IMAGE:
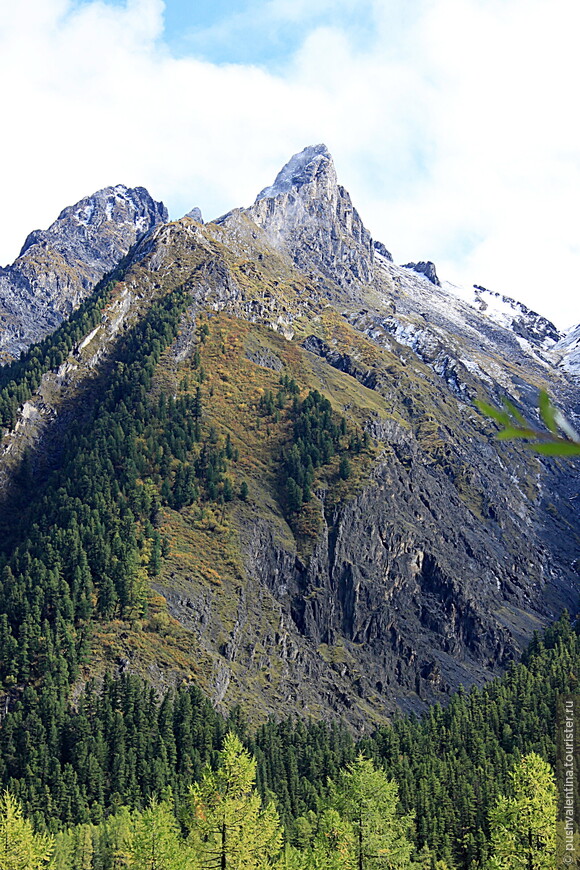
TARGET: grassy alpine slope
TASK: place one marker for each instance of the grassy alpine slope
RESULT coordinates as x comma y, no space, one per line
228,492
188,498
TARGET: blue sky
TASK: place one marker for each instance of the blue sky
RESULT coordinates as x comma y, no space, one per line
451,122
260,33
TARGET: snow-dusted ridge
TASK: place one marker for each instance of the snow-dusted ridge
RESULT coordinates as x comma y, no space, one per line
300,169
509,313
569,348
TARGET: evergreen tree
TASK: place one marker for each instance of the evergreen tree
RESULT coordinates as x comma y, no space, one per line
293,495
20,847
327,841
369,801
118,834
229,827
523,825
344,468
156,843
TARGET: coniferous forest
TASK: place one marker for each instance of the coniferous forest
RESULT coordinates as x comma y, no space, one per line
121,775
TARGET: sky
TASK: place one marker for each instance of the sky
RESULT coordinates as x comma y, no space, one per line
452,123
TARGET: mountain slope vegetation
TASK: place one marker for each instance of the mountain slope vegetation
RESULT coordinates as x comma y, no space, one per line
246,480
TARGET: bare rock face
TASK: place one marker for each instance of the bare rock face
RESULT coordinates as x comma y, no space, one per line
57,268
382,251
569,348
522,321
436,566
309,215
425,268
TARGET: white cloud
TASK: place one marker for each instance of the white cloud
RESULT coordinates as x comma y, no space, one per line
453,126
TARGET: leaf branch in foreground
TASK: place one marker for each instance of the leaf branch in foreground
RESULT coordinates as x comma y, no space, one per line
558,439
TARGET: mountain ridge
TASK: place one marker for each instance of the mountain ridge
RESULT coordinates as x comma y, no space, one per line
59,267
386,589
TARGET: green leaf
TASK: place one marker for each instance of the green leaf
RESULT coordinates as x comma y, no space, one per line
547,412
514,411
556,448
510,432
492,412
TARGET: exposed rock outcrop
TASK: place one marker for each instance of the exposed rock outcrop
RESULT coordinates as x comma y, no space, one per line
524,322
57,268
569,349
309,215
425,268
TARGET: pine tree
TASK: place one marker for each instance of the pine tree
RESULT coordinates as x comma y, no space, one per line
523,826
118,831
344,468
156,842
369,801
327,841
20,847
230,829
294,495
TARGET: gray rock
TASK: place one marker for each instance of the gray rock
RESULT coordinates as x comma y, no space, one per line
308,215
380,249
425,268
301,169
524,322
266,358
59,267
195,214
569,349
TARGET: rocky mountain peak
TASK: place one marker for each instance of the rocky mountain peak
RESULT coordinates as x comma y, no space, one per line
307,214
446,549
309,166
57,268
195,214
130,212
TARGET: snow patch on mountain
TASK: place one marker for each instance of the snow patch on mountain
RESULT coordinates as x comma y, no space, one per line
300,169
535,330
569,349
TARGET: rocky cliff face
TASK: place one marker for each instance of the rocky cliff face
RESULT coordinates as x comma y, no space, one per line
569,348
514,315
435,562
57,268
425,268
307,214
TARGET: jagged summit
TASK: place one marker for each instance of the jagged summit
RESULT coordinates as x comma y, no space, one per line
80,224
195,214
301,169
308,215
57,268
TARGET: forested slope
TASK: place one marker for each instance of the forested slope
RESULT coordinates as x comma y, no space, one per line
123,745
245,494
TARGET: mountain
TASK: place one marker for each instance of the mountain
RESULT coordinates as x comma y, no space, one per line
279,427
57,268
517,317
425,268
569,348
